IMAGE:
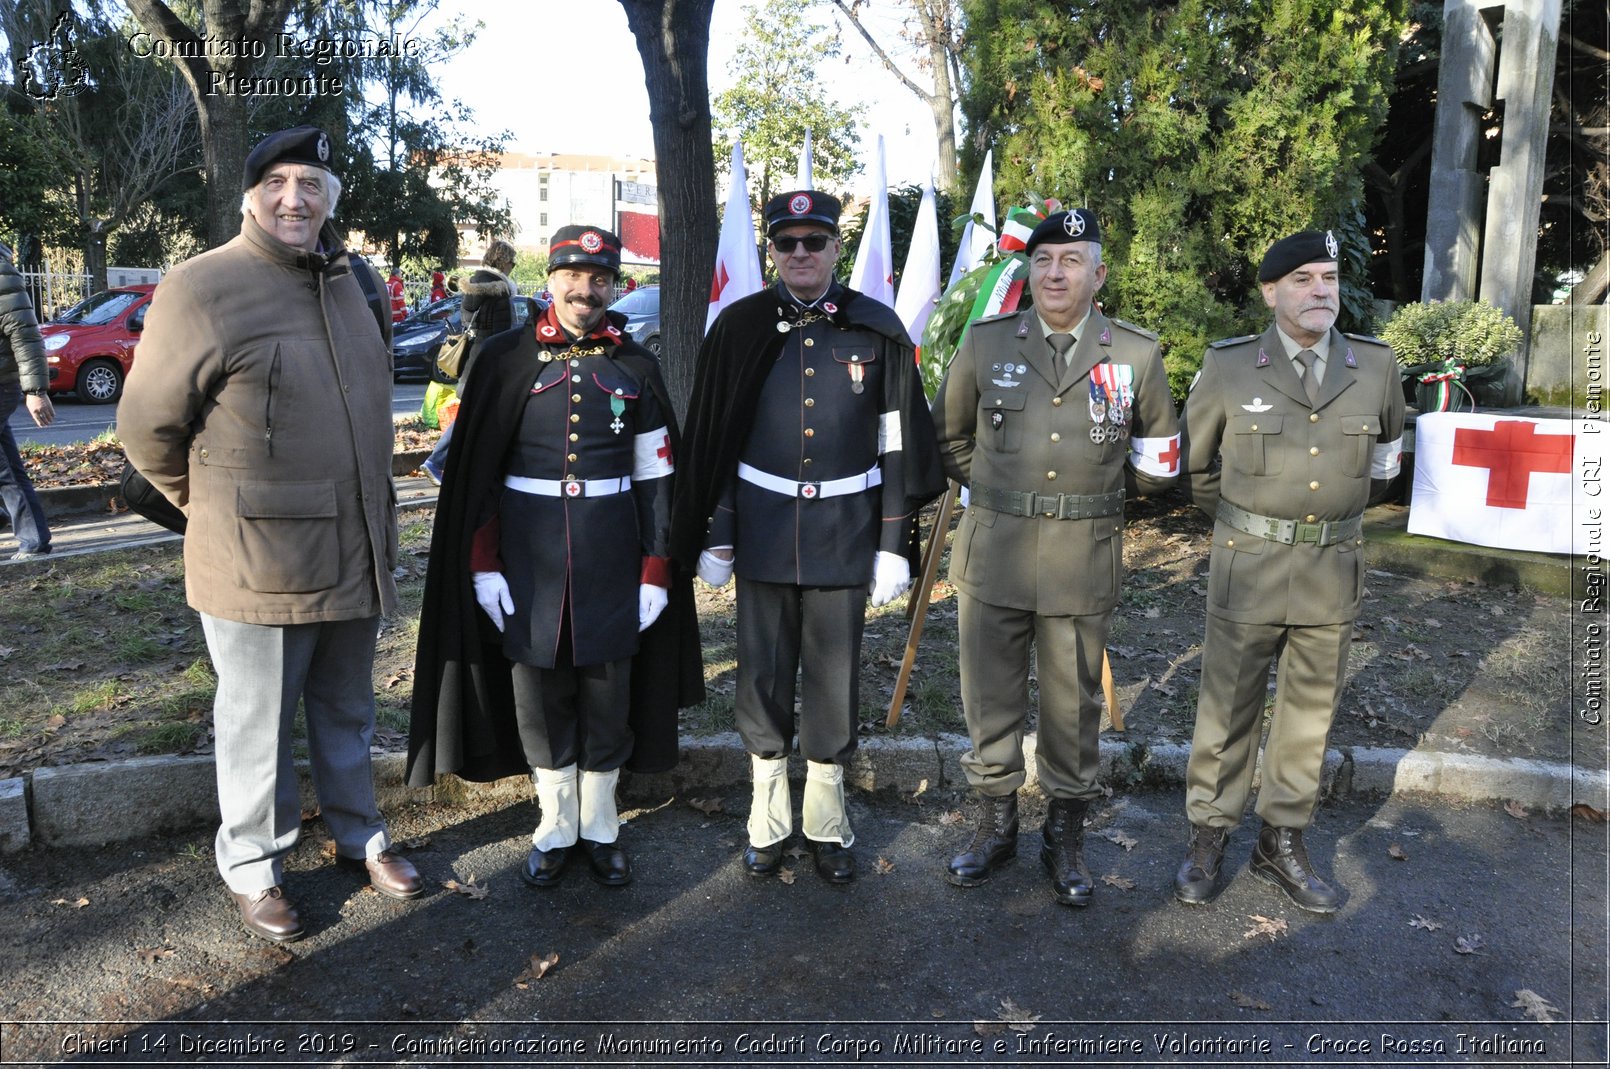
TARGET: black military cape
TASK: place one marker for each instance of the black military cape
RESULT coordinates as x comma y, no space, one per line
734,361
463,710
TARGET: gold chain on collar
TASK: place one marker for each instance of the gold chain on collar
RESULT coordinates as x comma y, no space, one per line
806,318
573,353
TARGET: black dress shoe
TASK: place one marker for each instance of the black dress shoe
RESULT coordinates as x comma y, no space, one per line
544,867
1281,858
270,914
834,861
1062,852
1197,881
608,863
994,842
762,861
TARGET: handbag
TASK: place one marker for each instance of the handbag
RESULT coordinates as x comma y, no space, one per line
450,360
145,500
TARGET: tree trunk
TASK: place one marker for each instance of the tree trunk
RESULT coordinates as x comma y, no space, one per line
1591,289
223,140
673,37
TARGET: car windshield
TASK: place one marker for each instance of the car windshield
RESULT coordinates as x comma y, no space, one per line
640,302
99,309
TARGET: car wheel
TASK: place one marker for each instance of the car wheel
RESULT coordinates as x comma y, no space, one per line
652,344
100,382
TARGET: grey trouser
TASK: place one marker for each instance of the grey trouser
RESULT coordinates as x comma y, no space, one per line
262,671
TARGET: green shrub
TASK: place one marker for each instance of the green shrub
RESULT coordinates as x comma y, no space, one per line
1473,333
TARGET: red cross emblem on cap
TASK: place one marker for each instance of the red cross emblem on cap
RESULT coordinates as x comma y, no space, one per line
572,489
591,241
800,204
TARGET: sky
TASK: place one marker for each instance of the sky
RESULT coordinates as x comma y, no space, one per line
599,105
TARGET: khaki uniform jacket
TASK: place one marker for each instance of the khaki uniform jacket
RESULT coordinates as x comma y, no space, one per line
1253,438
1023,431
260,404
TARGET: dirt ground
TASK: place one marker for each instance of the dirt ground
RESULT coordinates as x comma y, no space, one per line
100,659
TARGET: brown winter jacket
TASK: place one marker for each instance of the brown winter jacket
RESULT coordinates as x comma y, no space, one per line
260,404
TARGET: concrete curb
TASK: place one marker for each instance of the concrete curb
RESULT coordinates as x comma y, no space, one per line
97,804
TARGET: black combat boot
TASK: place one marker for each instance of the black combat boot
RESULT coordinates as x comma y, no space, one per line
1063,851
1197,881
994,842
1281,859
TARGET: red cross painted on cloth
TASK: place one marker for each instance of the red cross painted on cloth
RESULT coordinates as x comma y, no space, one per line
1170,456
719,282
664,451
1512,450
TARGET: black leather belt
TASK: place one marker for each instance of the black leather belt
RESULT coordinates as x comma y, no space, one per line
1047,506
1289,532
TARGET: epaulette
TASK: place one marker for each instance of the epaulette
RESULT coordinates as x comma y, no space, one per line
1365,337
1133,329
1223,343
997,317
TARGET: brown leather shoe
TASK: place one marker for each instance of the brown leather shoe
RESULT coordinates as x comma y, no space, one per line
391,874
270,914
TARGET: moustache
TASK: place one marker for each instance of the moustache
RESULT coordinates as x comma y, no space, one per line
586,300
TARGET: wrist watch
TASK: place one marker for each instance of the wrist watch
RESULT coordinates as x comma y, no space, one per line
33,393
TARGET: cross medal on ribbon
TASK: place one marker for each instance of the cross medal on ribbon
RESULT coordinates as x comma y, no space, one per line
1111,400
617,406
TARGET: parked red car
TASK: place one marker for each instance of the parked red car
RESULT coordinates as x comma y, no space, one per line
90,347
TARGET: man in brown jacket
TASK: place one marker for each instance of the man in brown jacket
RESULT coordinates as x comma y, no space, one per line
1044,414
260,404
1290,434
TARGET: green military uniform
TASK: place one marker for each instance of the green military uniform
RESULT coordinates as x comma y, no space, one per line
1039,555
1262,457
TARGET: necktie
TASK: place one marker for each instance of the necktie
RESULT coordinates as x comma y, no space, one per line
1307,359
1061,343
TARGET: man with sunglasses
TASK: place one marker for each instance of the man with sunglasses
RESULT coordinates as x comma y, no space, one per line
1045,415
809,451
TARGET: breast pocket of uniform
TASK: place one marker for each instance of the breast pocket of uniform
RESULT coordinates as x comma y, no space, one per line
1359,434
1251,448
1000,419
858,363
621,390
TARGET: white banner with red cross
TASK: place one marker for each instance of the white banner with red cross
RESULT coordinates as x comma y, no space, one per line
1510,482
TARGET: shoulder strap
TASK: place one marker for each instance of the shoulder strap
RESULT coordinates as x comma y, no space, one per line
371,294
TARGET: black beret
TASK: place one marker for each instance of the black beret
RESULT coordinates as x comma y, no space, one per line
802,206
584,245
1288,254
299,144
1062,228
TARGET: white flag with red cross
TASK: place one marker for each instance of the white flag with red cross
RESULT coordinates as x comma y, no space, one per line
1510,482
737,273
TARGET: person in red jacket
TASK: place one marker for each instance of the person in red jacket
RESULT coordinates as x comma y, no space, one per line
399,302
438,286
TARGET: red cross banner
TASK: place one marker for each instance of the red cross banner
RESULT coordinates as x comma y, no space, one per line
1508,482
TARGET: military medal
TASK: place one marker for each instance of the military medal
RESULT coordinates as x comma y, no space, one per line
617,406
1098,410
783,326
857,373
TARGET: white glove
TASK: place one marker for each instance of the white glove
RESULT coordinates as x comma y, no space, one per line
891,577
492,592
712,569
651,601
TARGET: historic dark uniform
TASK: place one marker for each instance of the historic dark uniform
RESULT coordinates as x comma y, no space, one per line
810,450
1043,442
1287,479
559,487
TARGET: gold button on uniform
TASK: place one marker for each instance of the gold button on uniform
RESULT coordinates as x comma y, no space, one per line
572,458
1050,475
809,342
574,437
1055,437
576,397
1313,450
1309,518
807,462
1313,417
1056,402
809,372
1254,426
809,433
1313,486
1229,543
810,402
575,417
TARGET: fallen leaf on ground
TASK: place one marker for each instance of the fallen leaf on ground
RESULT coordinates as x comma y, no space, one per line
1112,879
416,843
1016,1017
1120,838
56,723
310,814
1515,809
1588,813
988,1028
328,849
883,866
1535,1006
922,788
1396,851
151,955
537,969
1247,1002
1423,922
469,889
278,956
1468,944
708,806
77,904
1273,927
786,875
952,818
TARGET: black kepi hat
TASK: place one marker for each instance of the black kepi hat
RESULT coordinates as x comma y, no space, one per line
802,206
1288,254
1063,228
584,245
299,144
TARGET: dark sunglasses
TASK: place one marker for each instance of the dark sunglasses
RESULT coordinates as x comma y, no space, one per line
812,243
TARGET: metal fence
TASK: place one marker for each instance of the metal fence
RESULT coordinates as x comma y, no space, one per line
53,292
